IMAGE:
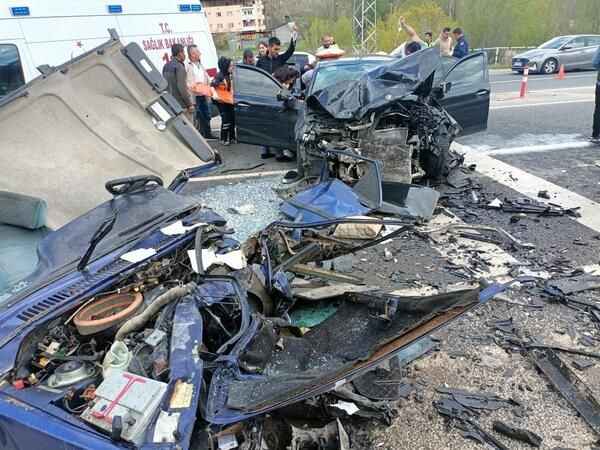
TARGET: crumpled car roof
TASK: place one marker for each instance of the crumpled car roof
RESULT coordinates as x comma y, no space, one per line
380,86
88,121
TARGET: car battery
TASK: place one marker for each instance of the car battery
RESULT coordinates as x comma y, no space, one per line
124,405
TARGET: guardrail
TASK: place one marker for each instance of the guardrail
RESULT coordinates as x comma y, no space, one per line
503,55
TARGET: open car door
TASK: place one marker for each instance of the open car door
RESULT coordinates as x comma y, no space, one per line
467,96
262,119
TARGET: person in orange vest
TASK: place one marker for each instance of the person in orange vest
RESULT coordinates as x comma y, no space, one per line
223,96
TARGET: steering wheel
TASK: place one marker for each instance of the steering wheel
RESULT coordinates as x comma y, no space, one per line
133,185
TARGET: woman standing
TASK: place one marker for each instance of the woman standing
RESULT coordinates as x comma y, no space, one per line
263,49
223,95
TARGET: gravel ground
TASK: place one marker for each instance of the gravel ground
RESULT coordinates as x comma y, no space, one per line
469,358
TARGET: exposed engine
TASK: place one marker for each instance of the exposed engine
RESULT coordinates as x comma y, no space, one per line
410,138
111,361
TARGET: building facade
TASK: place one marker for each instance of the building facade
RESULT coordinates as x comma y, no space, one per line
235,16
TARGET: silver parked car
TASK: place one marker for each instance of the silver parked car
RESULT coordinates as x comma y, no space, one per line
575,52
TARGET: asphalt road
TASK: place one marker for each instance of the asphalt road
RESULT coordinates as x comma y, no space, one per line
508,81
553,111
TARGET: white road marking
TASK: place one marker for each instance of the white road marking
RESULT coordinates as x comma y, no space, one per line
529,185
534,78
238,176
530,105
538,148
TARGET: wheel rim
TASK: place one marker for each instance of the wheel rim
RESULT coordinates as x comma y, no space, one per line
550,67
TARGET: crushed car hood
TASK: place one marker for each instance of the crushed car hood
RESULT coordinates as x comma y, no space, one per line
91,120
379,87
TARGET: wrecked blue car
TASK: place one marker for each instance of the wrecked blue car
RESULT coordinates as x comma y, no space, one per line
141,322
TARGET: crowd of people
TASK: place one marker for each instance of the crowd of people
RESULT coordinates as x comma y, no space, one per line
194,89
455,45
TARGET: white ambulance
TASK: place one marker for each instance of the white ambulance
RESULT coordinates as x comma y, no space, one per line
50,32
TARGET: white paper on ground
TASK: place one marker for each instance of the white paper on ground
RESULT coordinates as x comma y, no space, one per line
138,255
235,259
178,228
348,407
496,203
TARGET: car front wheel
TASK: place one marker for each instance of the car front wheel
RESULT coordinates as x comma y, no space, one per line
434,159
550,66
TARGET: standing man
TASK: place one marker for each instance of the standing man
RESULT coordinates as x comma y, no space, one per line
198,83
596,126
327,40
414,42
270,63
329,49
461,49
444,42
176,75
273,60
428,38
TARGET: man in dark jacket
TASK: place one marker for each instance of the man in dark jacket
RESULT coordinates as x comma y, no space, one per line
270,63
596,127
273,60
461,49
176,75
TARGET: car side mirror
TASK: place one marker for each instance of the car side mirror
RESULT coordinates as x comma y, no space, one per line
566,47
440,91
284,96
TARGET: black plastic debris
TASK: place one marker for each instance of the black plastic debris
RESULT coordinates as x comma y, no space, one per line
582,364
544,194
564,380
572,285
462,418
518,434
472,430
477,400
530,206
504,325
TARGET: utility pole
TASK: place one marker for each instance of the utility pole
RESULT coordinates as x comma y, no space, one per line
364,24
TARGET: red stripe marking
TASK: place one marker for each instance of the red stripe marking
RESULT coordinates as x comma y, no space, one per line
105,414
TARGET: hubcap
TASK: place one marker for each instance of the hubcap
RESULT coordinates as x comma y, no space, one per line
550,67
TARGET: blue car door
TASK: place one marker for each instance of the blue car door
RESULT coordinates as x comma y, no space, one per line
261,118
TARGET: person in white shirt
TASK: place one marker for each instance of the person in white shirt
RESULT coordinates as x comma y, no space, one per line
198,82
412,45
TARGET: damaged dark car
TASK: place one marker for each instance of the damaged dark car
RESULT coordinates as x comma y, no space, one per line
405,112
143,322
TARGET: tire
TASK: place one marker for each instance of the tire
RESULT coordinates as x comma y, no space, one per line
434,161
549,66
